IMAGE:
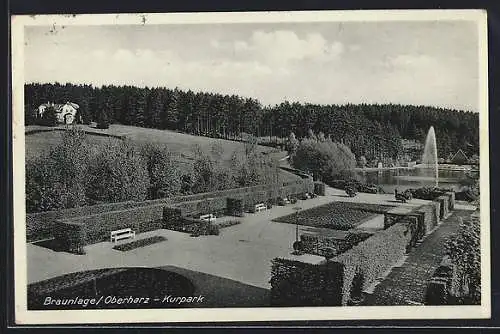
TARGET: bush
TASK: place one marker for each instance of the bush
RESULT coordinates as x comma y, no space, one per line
164,175
117,172
228,223
295,283
57,180
139,243
464,250
428,193
102,120
49,117
324,159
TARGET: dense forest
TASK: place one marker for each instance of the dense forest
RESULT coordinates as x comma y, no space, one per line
370,130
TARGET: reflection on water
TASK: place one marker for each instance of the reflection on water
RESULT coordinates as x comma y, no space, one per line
402,179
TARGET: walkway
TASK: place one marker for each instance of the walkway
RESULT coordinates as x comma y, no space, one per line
406,285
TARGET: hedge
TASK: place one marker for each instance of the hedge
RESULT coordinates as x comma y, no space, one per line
369,259
215,205
319,188
440,284
322,245
295,283
195,227
234,207
40,225
78,232
430,216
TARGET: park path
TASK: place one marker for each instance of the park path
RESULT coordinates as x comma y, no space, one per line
406,285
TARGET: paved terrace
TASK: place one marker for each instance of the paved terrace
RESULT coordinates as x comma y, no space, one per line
241,253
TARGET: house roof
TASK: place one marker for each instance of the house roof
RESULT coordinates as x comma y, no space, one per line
460,155
58,106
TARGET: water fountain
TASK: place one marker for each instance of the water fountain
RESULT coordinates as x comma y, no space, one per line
430,157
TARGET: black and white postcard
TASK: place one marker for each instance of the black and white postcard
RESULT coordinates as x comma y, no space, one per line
257,166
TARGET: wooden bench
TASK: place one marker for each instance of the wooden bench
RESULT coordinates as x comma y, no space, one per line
260,207
208,218
122,234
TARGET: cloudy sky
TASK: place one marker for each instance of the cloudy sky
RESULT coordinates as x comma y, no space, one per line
423,63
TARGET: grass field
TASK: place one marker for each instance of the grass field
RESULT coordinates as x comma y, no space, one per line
39,139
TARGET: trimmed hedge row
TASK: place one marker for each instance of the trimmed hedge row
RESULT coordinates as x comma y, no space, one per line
215,205
75,233
371,258
193,226
40,225
323,245
319,188
438,287
431,216
295,283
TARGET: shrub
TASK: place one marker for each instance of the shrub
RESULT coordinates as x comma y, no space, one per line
464,250
228,223
49,117
164,175
140,243
117,172
324,159
57,180
295,283
102,120
428,193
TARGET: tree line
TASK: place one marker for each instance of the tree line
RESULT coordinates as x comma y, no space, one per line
75,172
370,130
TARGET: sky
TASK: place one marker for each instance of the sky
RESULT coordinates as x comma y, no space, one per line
421,63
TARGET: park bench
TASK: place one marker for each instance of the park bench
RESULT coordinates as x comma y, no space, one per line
260,207
208,218
122,234
283,201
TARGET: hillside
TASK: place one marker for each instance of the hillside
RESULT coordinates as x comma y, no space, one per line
40,138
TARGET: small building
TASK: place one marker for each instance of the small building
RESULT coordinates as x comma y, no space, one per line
65,113
459,158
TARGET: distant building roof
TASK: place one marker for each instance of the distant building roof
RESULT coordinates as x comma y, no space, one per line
460,156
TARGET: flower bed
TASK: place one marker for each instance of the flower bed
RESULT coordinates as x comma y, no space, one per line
140,243
336,215
228,223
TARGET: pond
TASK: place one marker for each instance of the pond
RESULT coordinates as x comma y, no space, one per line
404,178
